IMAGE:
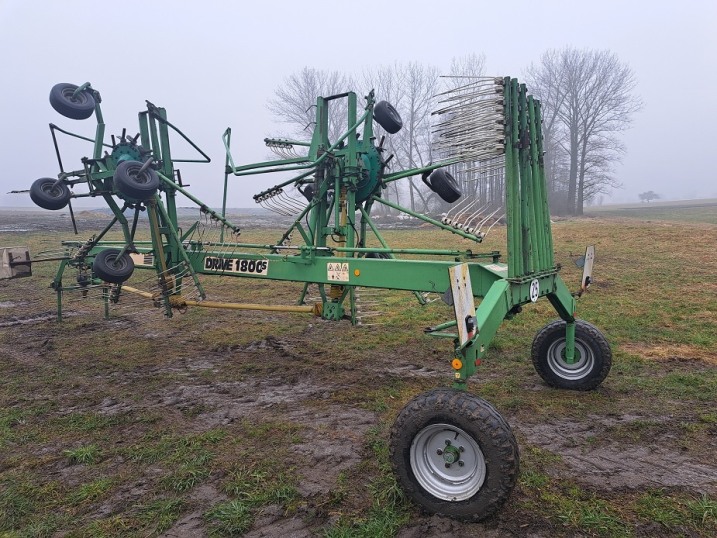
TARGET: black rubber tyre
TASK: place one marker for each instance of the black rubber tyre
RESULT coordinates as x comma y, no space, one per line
387,117
444,185
111,268
378,255
420,452
49,195
308,193
79,107
132,184
592,351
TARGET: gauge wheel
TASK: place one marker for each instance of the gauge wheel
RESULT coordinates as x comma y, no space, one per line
50,193
444,185
454,455
134,183
77,107
111,267
593,357
387,117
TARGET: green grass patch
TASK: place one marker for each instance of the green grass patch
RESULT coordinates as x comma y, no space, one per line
252,485
389,509
87,454
160,514
583,512
21,499
91,491
232,518
677,512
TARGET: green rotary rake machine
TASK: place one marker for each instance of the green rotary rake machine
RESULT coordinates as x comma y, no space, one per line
452,452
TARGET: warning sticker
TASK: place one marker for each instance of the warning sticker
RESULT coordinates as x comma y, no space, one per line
337,272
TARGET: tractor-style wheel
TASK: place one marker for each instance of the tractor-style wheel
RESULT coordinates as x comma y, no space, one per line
593,357
387,117
49,193
134,184
76,107
444,185
454,455
111,267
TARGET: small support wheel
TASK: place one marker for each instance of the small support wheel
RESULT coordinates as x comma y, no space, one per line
593,357
444,185
111,267
134,183
50,193
76,107
387,117
454,455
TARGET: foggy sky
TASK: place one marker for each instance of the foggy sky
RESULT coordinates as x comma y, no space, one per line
215,64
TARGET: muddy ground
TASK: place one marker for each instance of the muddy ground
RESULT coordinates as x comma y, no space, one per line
326,392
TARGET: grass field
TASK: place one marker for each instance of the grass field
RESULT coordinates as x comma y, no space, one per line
269,424
680,211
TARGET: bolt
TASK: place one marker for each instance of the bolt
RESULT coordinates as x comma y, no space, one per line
448,442
461,449
439,452
448,465
461,463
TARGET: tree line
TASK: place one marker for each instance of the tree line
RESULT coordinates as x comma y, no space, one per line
588,98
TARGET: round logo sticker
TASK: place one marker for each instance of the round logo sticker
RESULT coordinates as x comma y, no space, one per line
534,290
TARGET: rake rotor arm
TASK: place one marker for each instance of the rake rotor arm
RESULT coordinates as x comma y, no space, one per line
429,220
416,171
311,161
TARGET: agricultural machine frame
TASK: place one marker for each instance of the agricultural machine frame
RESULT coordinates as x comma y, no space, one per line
452,452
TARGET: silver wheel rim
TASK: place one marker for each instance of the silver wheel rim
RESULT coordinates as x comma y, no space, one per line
583,365
447,462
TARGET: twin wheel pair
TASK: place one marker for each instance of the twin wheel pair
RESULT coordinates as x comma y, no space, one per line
452,452
132,180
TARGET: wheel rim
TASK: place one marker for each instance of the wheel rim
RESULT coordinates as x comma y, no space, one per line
118,263
51,190
447,462
583,365
69,95
140,178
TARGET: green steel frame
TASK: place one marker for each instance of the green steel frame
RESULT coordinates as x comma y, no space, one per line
340,179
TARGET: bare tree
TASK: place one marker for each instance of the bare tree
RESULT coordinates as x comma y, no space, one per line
294,101
410,88
464,70
588,98
547,82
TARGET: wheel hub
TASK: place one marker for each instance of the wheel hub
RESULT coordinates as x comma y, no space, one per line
447,462
579,367
126,151
450,454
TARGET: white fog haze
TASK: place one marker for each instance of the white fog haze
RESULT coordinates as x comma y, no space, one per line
217,64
